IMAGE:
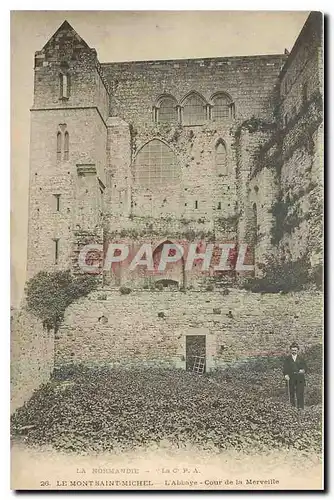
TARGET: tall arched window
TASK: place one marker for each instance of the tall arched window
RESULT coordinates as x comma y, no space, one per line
66,146
194,110
166,110
222,107
221,158
155,165
58,145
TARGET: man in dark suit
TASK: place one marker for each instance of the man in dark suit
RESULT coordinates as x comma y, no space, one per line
294,370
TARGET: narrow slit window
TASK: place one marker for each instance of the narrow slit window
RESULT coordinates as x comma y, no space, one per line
219,205
66,146
59,146
57,200
255,225
56,250
196,204
64,86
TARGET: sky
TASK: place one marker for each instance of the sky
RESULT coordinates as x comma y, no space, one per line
124,36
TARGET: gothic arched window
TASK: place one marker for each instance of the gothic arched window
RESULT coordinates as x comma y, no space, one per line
221,158
166,110
194,110
155,165
58,145
66,146
222,107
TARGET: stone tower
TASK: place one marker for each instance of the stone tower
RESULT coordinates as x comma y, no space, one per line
68,149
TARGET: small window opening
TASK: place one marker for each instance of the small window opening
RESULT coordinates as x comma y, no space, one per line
57,197
56,250
64,86
58,145
66,146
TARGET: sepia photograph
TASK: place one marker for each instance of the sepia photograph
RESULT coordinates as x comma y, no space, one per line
167,198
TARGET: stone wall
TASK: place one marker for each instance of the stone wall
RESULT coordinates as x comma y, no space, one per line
110,328
291,161
301,75
300,116
256,190
206,202
302,188
272,135
249,80
66,53
32,356
202,191
263,190
75,179
76,174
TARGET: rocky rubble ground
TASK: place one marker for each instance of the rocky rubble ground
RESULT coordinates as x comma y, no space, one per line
98,410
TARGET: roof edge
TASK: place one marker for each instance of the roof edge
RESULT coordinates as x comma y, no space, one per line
194,59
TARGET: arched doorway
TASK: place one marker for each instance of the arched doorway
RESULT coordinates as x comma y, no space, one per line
174,272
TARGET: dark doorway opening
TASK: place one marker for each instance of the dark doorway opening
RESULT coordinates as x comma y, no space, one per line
167,283
196,353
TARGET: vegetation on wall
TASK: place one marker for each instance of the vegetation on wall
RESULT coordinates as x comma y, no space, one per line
308,119
279,211
48,294
287,214
174,233
255,124
280,276
227,223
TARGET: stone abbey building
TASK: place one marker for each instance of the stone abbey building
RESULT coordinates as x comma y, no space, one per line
215,150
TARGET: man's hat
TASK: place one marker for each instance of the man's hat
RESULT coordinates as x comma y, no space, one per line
294,344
